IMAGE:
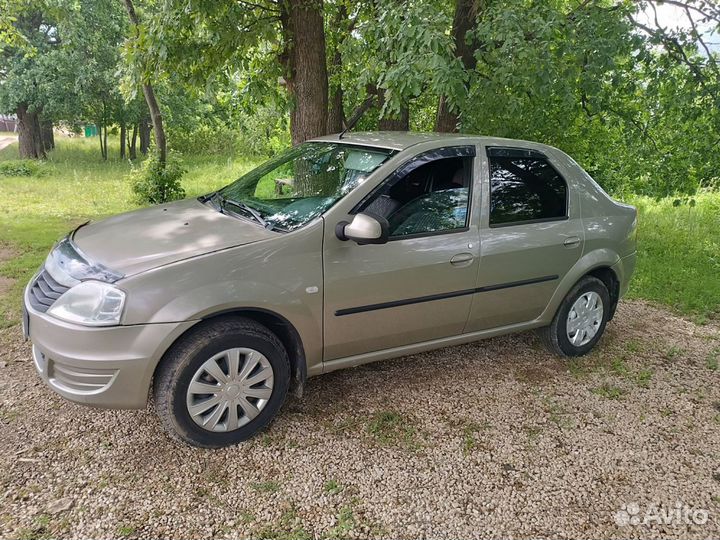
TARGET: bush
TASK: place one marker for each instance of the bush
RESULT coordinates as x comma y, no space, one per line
265,132
206,139
152,183
22,167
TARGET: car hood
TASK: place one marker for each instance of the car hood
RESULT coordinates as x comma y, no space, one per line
144,239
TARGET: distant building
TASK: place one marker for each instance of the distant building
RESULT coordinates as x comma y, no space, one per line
8,123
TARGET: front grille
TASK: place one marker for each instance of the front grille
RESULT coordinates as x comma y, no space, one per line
44,291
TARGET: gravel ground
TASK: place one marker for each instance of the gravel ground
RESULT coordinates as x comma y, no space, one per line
491,439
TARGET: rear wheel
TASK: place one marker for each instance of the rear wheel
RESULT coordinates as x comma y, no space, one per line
221,383
580,321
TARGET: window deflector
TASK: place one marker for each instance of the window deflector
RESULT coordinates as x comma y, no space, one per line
525,153
463,151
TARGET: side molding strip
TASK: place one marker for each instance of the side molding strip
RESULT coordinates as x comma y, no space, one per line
442,296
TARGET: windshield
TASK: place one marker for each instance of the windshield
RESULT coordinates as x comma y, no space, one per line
299,185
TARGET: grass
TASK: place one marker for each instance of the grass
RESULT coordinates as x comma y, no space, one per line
332,487
44,528
288,527
125,530
345,524
72,186
270,486
471,431
679,255
712,359
609,391
678,245
392,428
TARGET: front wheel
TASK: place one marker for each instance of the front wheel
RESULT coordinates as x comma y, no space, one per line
221,383
580,321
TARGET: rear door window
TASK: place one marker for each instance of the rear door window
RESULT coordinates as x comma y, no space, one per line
524,187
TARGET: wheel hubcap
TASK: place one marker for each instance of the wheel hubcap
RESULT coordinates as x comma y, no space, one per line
230,389
584,319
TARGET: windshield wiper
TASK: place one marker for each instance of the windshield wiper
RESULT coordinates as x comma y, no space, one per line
220,202
224,201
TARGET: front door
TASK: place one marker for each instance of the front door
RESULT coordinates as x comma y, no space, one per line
418,286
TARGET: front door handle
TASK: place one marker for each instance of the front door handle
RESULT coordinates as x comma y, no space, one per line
571,241
462,259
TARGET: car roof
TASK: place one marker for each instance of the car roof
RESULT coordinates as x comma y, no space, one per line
400,140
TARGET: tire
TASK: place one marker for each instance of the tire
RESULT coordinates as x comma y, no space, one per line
212,345
556,336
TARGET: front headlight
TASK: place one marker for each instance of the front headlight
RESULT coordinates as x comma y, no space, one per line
91,303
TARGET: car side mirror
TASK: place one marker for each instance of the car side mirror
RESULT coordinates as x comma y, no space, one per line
365,228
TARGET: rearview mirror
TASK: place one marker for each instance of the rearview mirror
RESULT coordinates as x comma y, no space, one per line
365,228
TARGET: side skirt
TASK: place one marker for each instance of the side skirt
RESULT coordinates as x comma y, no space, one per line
395,352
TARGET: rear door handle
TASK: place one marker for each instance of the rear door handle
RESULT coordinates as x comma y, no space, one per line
571,241
462,259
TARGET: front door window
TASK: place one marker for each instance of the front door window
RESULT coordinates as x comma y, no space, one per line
434,197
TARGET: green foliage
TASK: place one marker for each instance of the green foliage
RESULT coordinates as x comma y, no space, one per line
391,427
60,57
582,78
155,183
712,359
405,52
271,486
332,487
125,530
638,108
679,253
264,133
21,167
608,391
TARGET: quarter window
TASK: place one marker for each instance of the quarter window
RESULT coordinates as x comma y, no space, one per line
524,187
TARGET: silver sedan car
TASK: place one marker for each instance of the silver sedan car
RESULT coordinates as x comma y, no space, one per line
341,251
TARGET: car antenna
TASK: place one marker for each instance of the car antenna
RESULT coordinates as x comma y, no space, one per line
364,106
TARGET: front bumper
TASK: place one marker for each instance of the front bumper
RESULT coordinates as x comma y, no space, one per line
104,366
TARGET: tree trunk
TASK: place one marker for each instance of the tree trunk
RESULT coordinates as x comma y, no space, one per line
305,67
398,123
340,29
123,140
151,100
103,149
466,13
133,141
29,135
157,122
394,123
105,143
144,135
336,114
47,135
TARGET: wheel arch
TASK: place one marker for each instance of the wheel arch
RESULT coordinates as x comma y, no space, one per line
608,276
276,323
597,263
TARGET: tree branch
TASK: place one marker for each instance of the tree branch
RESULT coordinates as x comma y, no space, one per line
672,44
691,6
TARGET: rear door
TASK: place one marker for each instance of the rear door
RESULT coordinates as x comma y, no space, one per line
531,235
